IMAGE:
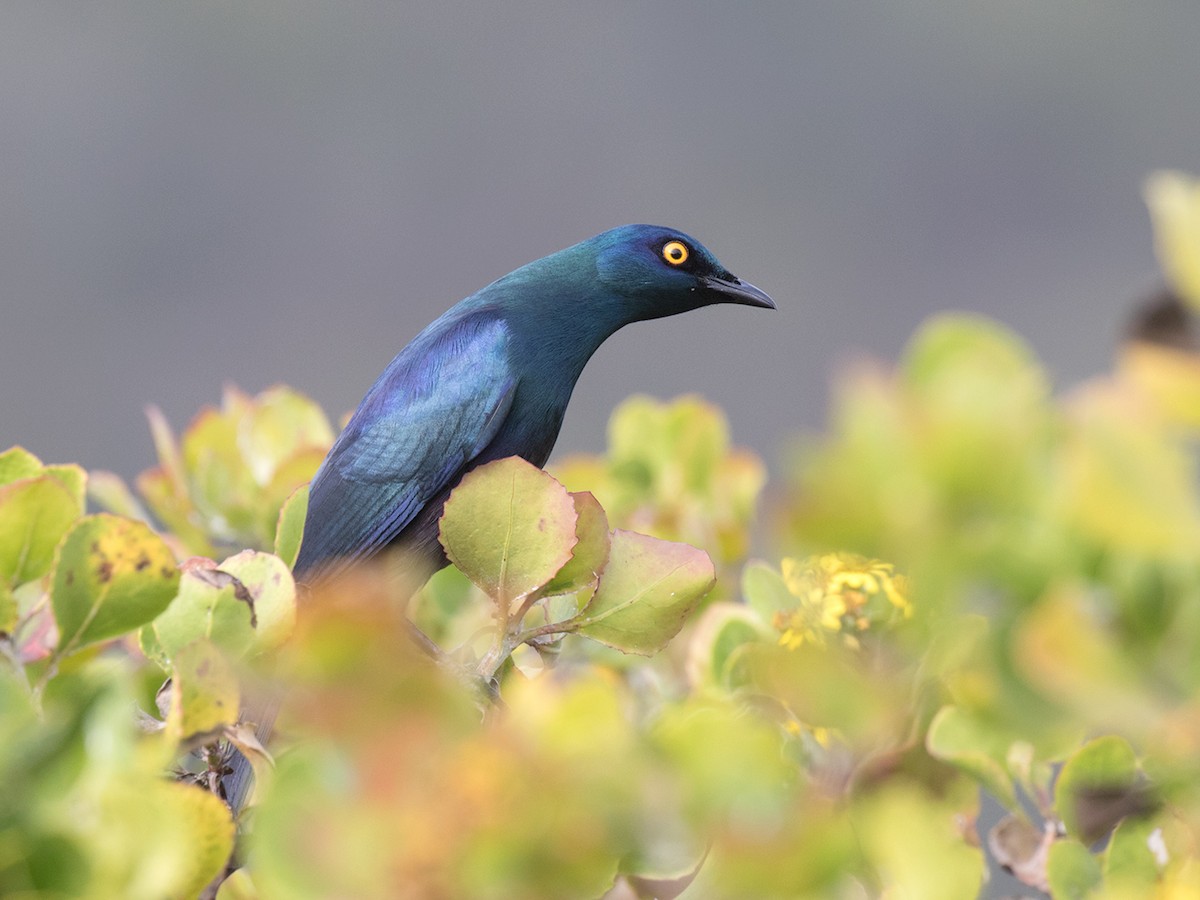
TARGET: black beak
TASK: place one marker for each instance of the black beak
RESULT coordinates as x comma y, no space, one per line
732,289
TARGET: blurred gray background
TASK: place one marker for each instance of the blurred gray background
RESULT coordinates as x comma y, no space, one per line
195,193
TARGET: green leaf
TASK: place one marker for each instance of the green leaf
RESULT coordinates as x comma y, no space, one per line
167,449
151,648
149,837
110,491
174,509
1102,768
646,592
221,483
279,423
1128,858
246,605
210,832
765,591
74,479
967,743
34,515
111,575
590,553
510,528
1072,872
721,632
1126,484
909,837
687,438
17,463
204,694
955,355
292,474
289,530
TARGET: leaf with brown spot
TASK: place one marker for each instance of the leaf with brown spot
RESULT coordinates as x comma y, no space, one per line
245,605
205,698
1098,786
98,591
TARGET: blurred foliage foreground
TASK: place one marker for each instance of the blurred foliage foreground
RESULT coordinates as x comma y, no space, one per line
977,585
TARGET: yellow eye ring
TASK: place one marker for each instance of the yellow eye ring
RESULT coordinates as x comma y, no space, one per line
675,252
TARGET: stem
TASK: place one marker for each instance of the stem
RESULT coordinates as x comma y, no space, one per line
501,649
526,606
422,641
426,645
566,627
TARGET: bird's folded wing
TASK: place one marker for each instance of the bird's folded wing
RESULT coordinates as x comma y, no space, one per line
431,412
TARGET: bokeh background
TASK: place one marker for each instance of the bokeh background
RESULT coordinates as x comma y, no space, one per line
196,193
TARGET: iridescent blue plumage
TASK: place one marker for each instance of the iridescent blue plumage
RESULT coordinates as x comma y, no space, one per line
490,378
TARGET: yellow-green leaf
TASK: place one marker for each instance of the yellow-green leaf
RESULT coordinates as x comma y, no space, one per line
764,590
167,448
173,508
204,694
590,553
245,605
17,463
280,423
1071,871
510,528
111,575
289,530
1129,857
1104,768
646,593
34,515
912,842
74,479
221,483
963,740
210,835
714,646
110,491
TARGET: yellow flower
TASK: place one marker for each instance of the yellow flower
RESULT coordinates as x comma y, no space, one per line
834,590
896,590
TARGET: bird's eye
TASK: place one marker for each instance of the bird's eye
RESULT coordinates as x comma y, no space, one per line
675,252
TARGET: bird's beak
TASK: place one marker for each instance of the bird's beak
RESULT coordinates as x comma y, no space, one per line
734,290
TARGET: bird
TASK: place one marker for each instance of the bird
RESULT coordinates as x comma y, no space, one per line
490,378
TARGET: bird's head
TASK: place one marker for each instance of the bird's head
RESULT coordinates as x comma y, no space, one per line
655,271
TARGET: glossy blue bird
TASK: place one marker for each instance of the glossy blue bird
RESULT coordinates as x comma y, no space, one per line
490,378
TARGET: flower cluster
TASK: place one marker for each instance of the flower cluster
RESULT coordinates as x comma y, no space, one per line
839,593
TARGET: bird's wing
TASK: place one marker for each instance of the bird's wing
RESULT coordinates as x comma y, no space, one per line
435,408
